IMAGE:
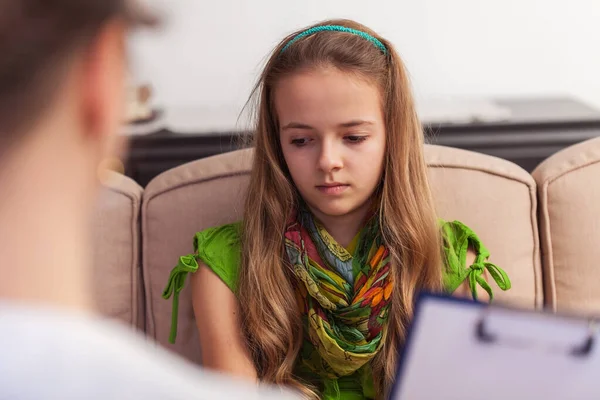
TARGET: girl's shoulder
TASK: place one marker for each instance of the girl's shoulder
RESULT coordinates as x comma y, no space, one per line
219,248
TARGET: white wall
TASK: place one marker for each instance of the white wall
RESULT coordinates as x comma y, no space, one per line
209,52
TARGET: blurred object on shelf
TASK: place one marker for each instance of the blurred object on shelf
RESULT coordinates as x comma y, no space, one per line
139,105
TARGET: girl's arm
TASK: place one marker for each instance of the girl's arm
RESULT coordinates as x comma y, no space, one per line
217,318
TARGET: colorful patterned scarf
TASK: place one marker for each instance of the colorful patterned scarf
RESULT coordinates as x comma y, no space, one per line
345,297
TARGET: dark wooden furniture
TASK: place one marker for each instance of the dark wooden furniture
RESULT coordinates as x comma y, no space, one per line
537,129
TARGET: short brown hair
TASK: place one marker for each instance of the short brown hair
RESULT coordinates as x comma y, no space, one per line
35,38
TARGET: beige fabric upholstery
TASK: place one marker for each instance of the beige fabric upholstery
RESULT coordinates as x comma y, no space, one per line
569,193
117,278
495,197
177,204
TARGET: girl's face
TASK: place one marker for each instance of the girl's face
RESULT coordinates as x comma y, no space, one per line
332,134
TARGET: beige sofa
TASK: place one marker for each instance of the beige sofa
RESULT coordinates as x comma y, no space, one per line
543,229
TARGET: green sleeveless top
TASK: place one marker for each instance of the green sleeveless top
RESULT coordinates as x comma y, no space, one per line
219,249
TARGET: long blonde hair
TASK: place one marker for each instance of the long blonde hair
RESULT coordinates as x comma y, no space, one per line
271,320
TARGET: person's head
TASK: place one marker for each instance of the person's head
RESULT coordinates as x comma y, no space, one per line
334,106
62,80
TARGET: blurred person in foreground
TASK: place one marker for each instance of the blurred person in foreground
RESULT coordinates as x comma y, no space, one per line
62,79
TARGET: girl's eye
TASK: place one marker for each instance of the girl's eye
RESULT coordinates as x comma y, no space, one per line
300,142
355,138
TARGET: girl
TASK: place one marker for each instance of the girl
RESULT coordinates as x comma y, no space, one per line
314,289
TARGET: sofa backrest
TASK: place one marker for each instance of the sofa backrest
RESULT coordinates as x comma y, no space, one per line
177,204
569,194
495,197
116,237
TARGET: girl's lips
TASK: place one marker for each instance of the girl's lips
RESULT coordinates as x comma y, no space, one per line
333,189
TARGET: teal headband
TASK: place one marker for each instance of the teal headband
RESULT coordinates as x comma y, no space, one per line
336,28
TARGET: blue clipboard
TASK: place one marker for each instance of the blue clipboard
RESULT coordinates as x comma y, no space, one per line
458,349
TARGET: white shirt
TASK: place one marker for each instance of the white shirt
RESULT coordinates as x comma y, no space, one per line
46,354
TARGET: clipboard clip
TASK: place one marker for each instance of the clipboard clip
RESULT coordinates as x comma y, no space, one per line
584,349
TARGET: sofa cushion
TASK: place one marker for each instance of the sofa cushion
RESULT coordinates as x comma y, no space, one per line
117,269
493,196
177,204
497,199
569,194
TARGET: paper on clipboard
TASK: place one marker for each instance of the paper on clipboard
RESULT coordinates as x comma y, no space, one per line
462,350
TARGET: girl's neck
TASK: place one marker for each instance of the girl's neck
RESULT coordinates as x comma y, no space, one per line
343,228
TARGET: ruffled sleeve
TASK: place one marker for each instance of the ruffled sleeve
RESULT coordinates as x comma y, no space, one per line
219,249
458,238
